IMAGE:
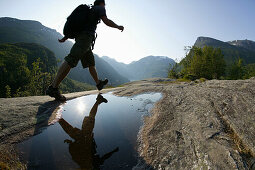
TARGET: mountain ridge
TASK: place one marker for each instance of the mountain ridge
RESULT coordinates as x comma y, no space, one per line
231,52
29,31
248,44
146,67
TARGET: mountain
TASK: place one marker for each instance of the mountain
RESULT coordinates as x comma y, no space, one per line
232,50
14,30
30,52
151,66
248,44
104,70
147,67
120,67
18,71
16,64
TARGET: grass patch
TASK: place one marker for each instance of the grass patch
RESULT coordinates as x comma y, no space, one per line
184,80
177,81
122,85
239,145
109,87
202,80
4,166
9,160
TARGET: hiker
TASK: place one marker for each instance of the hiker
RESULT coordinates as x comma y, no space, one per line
83,146
82,50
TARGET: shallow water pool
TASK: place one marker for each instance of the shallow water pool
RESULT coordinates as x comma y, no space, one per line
91,134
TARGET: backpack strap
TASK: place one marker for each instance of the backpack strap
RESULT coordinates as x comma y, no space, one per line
94,41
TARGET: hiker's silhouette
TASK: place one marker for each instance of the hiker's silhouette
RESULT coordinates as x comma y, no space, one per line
82,25
83,148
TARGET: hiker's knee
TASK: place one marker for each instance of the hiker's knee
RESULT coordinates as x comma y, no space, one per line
92,67
66,65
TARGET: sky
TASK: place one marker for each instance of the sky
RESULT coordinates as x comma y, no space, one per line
152,27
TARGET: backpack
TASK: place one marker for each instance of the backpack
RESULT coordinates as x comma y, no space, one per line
77,21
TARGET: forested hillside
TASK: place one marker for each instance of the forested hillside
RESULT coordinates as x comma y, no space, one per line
230,51
213,59
27,69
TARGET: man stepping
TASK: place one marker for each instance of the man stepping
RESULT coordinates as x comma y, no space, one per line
84,36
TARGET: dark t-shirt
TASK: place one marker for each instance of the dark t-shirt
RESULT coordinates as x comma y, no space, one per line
97,13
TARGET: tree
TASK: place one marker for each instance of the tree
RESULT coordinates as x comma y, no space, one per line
249,71
237,70
173,72
39,81
8,91
14,71
204,62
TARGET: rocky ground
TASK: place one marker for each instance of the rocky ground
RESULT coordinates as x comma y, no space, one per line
196,125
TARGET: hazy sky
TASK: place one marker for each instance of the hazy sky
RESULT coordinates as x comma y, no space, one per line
152,27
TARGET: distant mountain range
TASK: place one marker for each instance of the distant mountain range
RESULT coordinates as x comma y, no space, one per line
248,44
147,67
104,70
232,50
14,31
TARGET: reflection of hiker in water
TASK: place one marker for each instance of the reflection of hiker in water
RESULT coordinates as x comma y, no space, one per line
83,148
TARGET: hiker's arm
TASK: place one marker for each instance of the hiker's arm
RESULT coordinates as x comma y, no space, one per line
62,40
110,23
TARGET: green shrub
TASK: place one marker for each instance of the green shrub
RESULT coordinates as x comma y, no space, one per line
190,77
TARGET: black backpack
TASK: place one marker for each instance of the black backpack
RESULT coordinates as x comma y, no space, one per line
77,21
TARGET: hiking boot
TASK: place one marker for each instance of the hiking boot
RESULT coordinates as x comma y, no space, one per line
54,92
101,99
101,84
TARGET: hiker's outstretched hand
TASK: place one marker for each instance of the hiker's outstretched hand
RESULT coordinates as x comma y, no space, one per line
121,28
62,40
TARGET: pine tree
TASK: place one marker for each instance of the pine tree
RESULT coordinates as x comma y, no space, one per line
8,91
204,62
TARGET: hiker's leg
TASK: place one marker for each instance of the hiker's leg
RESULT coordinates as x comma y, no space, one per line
108,155
69,129
92,114
93,110
62,72
100,99
93,72
89,61
89,121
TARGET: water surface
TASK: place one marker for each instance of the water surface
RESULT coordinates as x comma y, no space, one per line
91,135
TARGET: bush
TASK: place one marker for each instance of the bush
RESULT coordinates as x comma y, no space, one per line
190,77
204,62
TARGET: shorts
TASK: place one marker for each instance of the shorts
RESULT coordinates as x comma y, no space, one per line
81,50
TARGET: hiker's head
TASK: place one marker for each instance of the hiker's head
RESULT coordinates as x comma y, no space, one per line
99,2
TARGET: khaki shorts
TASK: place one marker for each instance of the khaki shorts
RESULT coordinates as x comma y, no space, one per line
81,50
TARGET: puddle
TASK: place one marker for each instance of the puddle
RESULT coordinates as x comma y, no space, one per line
90,135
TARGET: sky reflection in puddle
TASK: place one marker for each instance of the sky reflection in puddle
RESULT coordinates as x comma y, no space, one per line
91,134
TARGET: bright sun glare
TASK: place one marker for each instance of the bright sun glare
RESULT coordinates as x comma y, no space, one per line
81,106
